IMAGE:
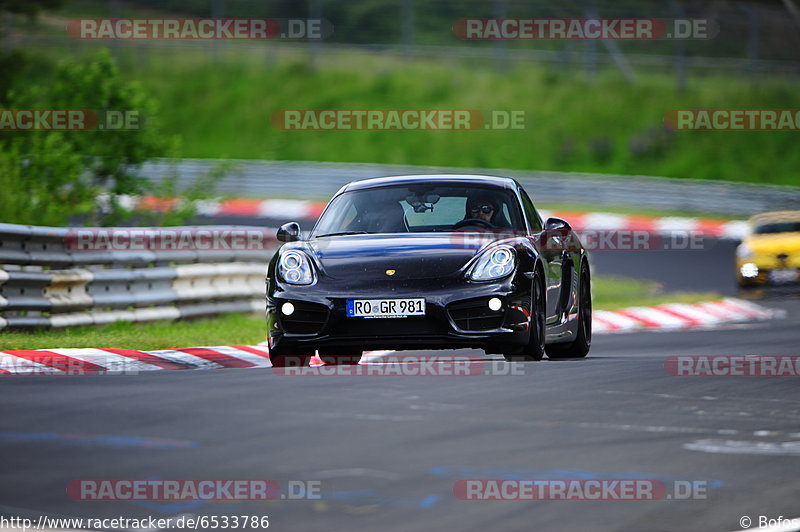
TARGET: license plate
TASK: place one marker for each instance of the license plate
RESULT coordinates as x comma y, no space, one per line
783,276
385,308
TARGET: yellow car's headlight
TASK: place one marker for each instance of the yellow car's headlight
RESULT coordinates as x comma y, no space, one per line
749,270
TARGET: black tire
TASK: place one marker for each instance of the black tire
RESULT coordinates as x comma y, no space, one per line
534,350
289,358
579,347
340,357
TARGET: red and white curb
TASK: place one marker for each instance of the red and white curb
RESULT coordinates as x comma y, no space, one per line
244,207
289,209
79,361
82,361
674,316
606,221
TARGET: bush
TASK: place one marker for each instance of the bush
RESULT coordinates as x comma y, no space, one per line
50,176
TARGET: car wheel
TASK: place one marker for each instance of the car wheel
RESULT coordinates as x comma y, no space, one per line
286,359
534,350
340,358
579,347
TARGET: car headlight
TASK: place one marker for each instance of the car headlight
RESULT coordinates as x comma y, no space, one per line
295,268
743,251
493,264
749,270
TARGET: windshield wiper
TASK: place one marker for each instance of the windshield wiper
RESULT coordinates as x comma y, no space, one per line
341,233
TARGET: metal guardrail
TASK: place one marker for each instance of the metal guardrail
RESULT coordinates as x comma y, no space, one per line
47,280
287,179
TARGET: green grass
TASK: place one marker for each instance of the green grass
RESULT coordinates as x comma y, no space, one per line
223,109
610,293
238,329
229,329
220,103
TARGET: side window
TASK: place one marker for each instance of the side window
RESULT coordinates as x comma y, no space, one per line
530,211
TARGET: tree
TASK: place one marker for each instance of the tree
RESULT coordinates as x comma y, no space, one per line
49,176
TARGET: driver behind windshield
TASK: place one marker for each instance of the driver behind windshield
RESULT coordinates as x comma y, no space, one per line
487,209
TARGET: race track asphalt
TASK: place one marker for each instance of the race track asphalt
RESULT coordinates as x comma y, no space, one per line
710,267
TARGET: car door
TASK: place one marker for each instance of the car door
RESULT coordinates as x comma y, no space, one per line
551,249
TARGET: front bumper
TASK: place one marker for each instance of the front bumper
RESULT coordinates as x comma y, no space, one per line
767,273
457,315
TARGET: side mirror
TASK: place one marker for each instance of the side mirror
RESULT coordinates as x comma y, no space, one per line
557,224
289,232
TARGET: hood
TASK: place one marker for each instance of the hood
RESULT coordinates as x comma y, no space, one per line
775,244
418,256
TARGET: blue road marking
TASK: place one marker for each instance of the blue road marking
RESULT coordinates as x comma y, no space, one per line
89,440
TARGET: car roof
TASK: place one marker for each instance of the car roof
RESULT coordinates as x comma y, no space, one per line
775,216
467,179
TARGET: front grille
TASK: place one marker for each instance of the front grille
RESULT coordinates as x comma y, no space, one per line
412,326
307,318
475,315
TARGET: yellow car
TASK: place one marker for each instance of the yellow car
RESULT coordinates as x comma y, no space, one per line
770,254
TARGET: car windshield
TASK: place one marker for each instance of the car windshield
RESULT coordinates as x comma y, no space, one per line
778,227
421,208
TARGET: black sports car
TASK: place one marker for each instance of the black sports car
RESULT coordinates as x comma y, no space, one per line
433,262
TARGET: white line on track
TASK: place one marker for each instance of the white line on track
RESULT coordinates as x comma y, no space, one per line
371,357
787,448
